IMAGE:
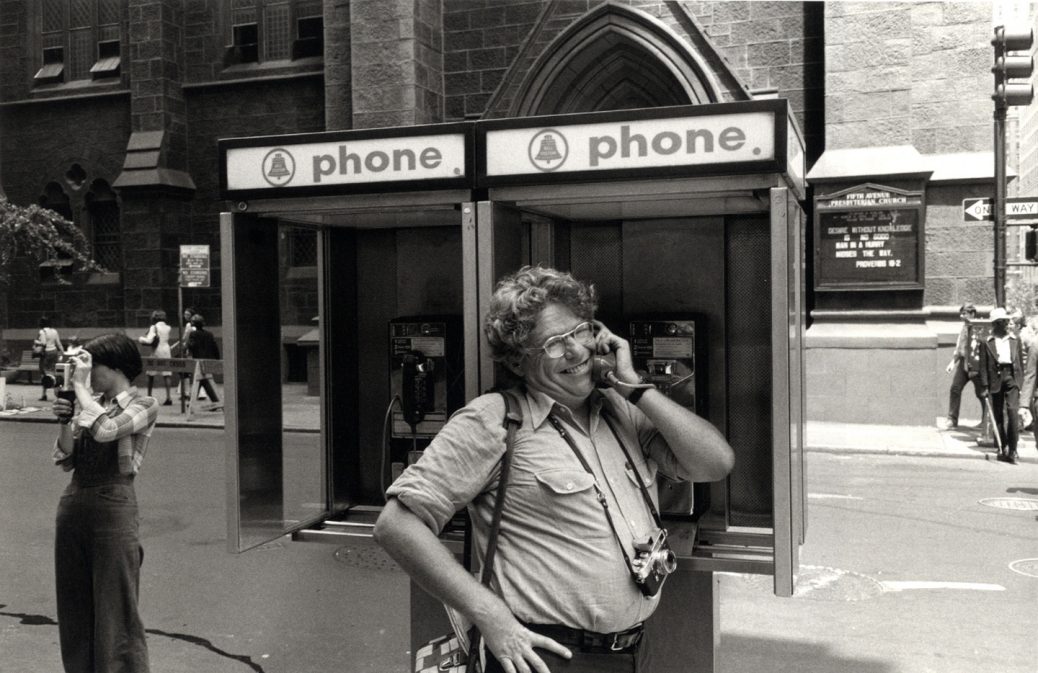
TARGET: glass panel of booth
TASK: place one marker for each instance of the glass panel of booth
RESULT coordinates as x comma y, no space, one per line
365,365
272,351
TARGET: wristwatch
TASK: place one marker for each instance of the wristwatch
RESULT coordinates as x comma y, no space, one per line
637,393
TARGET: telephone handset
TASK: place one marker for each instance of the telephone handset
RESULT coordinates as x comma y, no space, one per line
601,367
417,394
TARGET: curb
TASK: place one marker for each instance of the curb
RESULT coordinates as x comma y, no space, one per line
864,450
895,452
203,424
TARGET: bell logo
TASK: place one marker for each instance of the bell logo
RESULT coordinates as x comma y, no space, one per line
548,150
279,166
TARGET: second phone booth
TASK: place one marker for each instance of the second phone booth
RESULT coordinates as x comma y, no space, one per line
686,219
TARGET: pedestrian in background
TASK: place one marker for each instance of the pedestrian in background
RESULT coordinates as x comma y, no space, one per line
958,367
179,347
97,550
1028,402
158,339
1001,376
202,345
49,343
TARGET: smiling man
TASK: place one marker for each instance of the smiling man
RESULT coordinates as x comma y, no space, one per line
581,525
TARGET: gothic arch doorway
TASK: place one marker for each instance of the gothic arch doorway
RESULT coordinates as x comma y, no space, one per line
615,58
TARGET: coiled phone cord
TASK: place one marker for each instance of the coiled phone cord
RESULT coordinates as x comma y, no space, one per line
385,441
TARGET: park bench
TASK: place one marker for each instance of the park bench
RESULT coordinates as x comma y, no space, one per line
28,364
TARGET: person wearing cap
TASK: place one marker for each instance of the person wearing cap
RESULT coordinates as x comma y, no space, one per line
958,367
1001,377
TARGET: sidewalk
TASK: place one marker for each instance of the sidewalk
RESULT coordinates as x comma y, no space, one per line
302,412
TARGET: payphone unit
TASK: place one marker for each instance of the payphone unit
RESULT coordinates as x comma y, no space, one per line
665,350
426,383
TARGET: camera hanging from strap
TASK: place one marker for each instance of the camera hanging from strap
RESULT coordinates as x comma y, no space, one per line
598,491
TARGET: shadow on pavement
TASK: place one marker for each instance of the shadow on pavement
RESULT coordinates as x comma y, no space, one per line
739,654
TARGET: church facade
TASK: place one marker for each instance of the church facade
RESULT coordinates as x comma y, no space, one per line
110,113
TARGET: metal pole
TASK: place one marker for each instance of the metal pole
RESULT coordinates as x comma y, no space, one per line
999,204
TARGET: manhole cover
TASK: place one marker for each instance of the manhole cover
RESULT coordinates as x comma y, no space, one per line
833,584
371,558
1017,504
1026,566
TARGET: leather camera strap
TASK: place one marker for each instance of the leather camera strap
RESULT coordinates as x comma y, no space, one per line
513,419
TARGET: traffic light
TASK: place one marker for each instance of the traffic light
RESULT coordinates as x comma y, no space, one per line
1031,245
1013,66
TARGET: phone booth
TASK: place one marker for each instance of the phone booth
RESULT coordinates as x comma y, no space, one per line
687,220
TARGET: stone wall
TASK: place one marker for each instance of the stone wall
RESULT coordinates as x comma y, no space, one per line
908,74
396,54
42,140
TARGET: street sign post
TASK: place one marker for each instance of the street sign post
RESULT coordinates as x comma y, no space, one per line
194,272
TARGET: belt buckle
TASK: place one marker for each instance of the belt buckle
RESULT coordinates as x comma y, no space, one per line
624,640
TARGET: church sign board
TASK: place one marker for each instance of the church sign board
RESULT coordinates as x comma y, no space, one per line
869,237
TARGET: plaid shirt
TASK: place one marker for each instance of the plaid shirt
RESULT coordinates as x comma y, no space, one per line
128,419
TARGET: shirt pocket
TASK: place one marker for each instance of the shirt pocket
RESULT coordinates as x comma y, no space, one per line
571,501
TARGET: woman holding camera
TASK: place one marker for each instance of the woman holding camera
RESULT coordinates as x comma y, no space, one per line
97,551
565,584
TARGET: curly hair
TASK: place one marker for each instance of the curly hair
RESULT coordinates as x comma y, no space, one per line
518,300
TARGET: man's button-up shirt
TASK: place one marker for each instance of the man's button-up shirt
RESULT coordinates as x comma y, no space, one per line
558,559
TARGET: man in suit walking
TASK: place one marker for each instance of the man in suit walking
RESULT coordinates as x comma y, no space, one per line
1001,378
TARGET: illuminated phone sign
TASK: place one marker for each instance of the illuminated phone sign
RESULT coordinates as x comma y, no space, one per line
626,145
363,162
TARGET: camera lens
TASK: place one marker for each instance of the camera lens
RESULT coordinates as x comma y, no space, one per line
666,561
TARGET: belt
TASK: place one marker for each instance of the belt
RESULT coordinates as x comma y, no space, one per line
590,641
1005,365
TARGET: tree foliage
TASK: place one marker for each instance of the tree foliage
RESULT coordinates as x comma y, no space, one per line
39,234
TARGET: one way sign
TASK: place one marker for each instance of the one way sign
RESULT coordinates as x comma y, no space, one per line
976,210
1022,208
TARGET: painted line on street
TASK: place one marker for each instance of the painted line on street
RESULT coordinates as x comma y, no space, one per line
921,584
832,496
1028,567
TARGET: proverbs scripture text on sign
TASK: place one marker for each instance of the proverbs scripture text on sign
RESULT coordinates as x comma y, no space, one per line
868,237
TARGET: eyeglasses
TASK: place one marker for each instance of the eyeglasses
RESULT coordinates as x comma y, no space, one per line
555,347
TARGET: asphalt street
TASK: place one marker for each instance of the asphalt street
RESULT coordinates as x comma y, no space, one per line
912,564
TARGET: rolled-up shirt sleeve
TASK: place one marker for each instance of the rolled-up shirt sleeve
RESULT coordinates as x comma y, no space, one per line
460,463
141,413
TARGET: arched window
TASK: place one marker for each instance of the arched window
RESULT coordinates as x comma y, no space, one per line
612,59
54,198
102,209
